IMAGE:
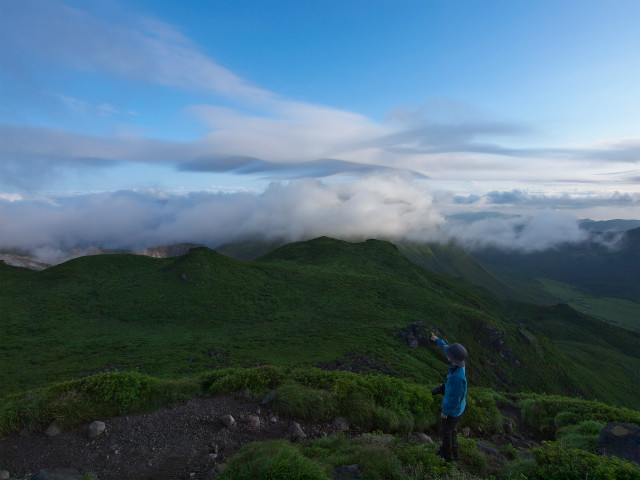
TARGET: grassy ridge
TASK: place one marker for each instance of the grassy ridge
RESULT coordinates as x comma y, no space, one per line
304,304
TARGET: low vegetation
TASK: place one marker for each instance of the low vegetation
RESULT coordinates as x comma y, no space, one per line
312,324
381,409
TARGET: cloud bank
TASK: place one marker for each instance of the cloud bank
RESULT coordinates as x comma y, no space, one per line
384,207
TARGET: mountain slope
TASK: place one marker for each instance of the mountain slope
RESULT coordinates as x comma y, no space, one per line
310,303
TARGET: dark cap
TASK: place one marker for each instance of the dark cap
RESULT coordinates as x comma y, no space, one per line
457,354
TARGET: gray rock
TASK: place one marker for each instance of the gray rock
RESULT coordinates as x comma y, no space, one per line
268,397
526,336
4,475
253,421
53,430
466,432
227,420
296,432
96,429
490,451
508,425
57,474
621,440
341,423
347,472
421,438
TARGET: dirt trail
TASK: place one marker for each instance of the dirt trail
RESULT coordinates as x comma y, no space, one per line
170,443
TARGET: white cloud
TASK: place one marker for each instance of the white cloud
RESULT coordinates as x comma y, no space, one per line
386,207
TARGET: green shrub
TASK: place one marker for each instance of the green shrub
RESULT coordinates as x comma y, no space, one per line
228,380
482,411
556,463
548,412
582,436
360,410
103,395
566,418
473,460
275,460
297,401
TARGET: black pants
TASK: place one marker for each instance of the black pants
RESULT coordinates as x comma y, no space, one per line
449,434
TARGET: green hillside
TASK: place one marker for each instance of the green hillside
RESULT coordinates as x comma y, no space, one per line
306,304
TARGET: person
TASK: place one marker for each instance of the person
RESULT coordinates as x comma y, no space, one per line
455,398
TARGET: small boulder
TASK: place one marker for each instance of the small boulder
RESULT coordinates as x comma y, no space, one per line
341,424
466,432
4,475
621,440
296,432
489,451
421,438
253,421
347,472
53,430
268,397
57,474
96,429
227,420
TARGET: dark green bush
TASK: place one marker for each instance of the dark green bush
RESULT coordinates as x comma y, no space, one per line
547,412
582,435
557,463
298,401
482,411
103,395
275,460
260,379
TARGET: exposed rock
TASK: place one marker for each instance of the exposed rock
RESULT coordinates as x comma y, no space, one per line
296,432
358,364
490,451
495,338
415,334
341,423
268,397
96,429
347,472
253,421
57,474
466,432
421,438
526,336
508,425
621,440
53,430
227,420
4,475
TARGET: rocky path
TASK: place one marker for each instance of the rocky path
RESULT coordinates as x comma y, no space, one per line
187,441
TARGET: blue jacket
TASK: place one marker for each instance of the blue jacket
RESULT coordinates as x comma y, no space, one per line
455,389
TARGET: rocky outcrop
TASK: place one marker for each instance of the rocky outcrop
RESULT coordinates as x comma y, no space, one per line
527,337
620,440
417,333
347,472
496,339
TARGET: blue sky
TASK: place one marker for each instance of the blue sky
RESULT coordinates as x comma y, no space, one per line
334,114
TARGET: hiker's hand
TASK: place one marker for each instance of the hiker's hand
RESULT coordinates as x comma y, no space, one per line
443,415
433,337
